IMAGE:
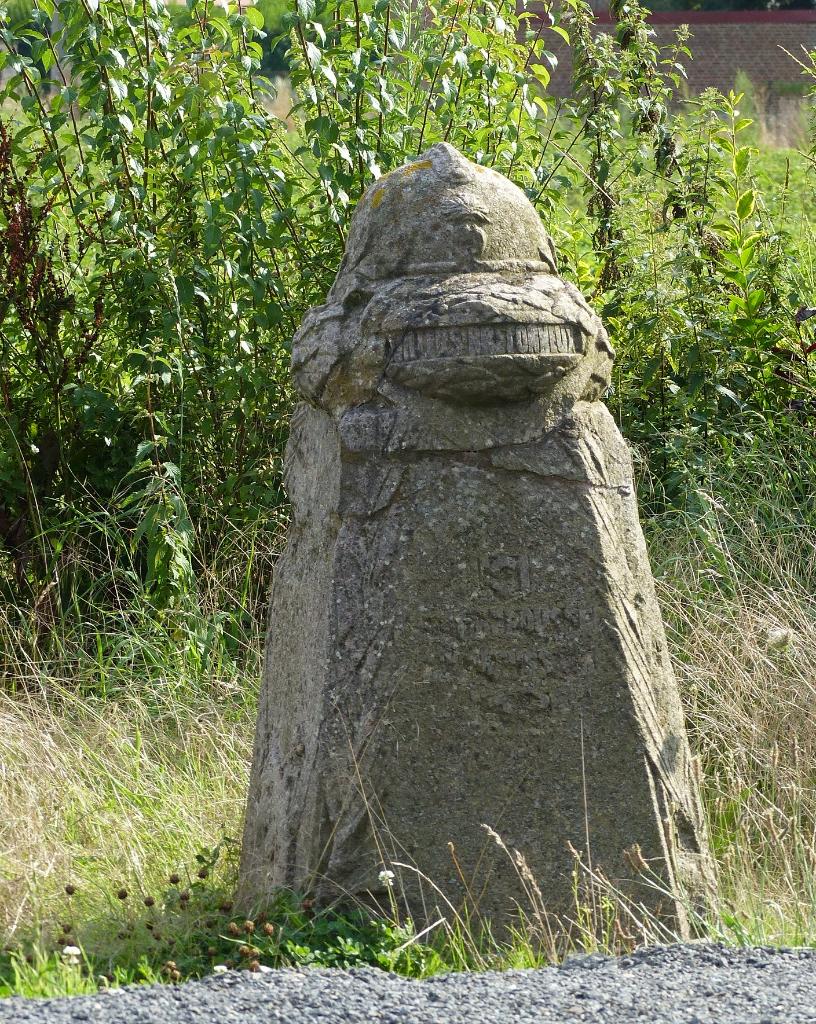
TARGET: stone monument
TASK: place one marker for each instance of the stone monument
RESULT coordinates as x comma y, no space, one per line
463,628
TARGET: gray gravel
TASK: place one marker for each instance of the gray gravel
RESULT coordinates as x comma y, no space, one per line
673,984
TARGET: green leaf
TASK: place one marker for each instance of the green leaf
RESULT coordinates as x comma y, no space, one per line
755,300
728,393
745,204
254,17
540,73
328,74
186,291
119,89
162,90
313,54
343,152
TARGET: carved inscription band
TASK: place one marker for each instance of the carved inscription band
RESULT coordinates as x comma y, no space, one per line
498,339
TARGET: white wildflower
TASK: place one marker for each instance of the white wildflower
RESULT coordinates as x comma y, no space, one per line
386,878
220,969
72,955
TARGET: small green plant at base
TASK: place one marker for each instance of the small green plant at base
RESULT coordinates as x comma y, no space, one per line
192,927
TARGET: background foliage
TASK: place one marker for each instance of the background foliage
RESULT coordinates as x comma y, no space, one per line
162,234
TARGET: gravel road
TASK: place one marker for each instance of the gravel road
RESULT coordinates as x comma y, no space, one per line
673,984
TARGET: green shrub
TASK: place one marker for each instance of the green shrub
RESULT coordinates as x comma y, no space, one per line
162,235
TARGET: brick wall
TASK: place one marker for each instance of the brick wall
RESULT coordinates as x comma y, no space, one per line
725,42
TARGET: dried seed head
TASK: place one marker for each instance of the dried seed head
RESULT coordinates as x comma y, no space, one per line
233,928
212,951
184,895
624,936
149,901
203,872
175,975
122,894
254,966
70,889
269,929
245,950
174,879
225,908
249,927
494,835
634,855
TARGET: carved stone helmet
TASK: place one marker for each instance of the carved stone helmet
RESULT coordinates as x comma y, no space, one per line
442,215
449,287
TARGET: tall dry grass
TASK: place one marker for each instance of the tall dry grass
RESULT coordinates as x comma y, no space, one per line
738,591
125,734
103,795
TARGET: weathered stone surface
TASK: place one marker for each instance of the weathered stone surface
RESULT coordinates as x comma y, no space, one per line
463,627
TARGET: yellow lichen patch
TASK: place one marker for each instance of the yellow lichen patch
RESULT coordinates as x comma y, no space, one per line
377,198
420,165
